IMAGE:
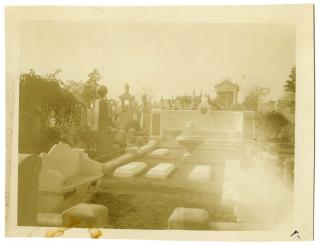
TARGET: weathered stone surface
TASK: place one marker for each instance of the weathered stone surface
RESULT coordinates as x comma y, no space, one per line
263,198
159,153
65,171
61,163
28,177
200,173
85,215
232,176
161,171
189,219
130,169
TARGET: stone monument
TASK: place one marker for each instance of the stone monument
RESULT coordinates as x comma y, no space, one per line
227,94
101,122
127,103
189,141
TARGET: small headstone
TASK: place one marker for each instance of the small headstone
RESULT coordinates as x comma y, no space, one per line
200,173
130,169
162,170
85,215
189,219
159,153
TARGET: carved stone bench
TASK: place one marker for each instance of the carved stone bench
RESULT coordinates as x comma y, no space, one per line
68,176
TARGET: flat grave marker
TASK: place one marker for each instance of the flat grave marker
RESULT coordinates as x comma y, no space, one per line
162,170
200,173
130,170
158,153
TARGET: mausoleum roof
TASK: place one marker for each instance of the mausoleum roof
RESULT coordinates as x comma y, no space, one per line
226,84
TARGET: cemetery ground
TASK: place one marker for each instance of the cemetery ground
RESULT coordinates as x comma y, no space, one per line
147,203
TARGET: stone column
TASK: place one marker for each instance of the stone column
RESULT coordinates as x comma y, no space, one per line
28,185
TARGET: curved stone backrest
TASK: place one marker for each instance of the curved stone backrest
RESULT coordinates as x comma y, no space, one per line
62,158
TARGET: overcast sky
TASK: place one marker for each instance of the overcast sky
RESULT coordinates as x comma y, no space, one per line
167,58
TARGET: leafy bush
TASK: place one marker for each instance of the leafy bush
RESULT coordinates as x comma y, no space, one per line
42,98
287,133
272,123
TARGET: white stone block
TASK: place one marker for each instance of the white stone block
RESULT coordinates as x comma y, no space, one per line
161,171
200,173
189,219
159,152
130,169
85,215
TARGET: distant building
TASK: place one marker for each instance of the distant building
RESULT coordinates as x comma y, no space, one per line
226,94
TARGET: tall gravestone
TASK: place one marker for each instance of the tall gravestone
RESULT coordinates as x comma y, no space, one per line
28,185
101,122
145,114
127,105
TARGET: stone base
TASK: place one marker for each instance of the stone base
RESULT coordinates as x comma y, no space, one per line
85,215
189,219
56,203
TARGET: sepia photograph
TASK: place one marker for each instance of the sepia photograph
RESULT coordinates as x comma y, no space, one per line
178,120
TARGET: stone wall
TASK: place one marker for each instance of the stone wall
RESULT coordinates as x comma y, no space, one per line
214,124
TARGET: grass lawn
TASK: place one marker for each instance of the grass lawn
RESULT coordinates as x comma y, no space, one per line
145,203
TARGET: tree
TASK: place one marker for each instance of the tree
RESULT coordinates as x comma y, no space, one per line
41,99
89,90
273,123
290,88
290,84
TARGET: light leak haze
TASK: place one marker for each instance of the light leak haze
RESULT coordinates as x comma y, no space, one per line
164,59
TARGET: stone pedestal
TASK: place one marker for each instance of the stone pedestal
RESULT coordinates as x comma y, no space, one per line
28,183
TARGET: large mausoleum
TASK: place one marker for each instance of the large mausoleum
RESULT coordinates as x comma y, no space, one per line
226,94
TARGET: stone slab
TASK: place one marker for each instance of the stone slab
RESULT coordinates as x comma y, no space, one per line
161,171
84,215
200,173
232,176
159,152
189,219
130,170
